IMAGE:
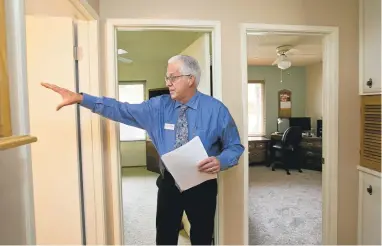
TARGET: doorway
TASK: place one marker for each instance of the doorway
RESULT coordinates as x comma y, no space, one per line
114,26
142,58
329,116
284,101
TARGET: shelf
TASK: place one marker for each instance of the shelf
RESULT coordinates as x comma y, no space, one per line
16,141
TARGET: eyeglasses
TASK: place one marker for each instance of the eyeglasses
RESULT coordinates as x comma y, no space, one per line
172,79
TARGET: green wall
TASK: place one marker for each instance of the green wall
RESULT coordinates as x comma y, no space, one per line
153,73
134,153
294,79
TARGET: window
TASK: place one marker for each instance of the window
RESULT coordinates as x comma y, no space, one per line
256,108
131,92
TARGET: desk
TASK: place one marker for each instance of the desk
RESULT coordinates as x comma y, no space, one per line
152,157
258,149
311,151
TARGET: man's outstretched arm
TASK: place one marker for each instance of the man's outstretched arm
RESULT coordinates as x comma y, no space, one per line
137,115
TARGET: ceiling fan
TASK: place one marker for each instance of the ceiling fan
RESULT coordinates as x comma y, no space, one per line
282,59
121,56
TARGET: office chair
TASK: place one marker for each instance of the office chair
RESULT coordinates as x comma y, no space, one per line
288,148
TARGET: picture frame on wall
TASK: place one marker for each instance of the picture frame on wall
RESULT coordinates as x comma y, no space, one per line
285,103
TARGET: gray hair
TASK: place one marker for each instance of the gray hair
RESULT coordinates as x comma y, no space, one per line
189,66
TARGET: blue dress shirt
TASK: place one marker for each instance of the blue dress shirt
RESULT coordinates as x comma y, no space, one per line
207,118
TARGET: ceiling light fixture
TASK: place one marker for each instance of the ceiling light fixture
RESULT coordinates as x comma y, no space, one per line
121,52
284,63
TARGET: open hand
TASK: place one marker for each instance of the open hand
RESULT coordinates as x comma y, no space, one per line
210,165
68,97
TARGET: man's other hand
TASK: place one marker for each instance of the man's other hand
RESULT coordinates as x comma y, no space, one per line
68,97
210,165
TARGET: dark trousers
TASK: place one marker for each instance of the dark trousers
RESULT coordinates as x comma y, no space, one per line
199,203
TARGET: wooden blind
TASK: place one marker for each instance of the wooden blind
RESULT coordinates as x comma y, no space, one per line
371,132
5,114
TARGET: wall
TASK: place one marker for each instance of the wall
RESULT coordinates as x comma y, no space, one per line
314,92
294,79
341,13
134,153
153,73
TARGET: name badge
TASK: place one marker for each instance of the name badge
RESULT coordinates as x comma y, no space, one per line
168,126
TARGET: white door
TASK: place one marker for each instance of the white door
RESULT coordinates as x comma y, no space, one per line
369,217
200,50
371,45
55,156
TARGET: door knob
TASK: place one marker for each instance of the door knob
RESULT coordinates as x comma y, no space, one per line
369,83
369,190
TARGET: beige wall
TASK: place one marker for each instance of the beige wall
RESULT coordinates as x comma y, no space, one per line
341,13
314,92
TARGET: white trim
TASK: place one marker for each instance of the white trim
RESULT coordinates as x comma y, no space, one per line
153,24
91,142
88,13
369,171
330,118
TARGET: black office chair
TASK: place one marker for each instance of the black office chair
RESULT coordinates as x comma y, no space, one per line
287,151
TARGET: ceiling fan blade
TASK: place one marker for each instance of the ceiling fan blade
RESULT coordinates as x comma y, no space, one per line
275,62
124,60
303,54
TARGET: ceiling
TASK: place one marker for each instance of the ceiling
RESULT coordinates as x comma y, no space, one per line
151,46
306,49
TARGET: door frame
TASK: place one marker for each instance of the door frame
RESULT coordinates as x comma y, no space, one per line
90,126
112,25
330,118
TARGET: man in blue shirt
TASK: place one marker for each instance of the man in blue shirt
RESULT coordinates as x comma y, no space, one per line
171,121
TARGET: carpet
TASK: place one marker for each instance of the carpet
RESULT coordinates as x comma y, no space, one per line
139,196
284,209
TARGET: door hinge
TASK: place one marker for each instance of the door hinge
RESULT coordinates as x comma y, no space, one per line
76,53
322,160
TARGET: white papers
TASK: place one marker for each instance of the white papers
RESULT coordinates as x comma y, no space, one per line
183,162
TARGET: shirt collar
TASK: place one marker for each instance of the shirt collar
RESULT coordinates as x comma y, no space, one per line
192,103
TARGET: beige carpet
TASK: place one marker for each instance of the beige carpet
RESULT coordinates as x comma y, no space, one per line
139,192
284,209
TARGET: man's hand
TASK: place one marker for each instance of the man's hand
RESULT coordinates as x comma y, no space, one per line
68,97
209,165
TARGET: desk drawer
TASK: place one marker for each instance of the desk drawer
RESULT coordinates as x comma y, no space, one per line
311,144
257,156
257,145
